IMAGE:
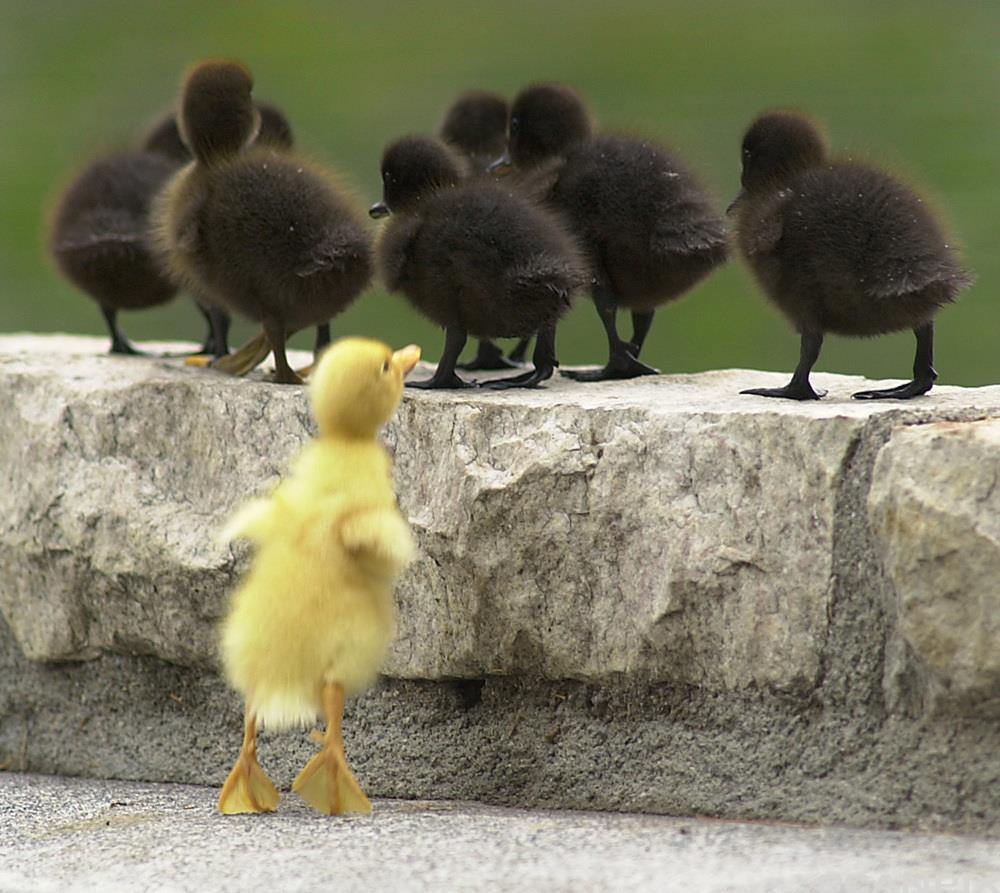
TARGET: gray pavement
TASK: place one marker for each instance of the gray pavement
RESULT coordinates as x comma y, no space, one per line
76,834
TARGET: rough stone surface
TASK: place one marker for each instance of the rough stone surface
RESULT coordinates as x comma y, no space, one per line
85,835
935,508
654,595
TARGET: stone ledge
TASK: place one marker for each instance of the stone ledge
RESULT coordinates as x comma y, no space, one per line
935,509
665,529
653,595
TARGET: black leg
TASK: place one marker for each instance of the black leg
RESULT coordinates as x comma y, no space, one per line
218,343
444,376
277,336
520,352
798,388
544,360
488,357
641,322
119,343
322,339
924,374
208,345
621,363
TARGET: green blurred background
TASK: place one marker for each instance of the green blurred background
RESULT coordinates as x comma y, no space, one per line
914,85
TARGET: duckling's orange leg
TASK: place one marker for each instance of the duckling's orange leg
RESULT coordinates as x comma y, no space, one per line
327,783
248,789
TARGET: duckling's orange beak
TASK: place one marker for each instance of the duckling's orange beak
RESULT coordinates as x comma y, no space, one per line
406,358
502,165
379,209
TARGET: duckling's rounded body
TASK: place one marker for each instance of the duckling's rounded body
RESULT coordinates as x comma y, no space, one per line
100,237
272,238
308,611
481,261
311,621
840,247
648,228
275,133
475,126
266,234
472,257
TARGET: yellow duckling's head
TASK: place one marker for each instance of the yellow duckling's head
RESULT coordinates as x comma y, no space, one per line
357,386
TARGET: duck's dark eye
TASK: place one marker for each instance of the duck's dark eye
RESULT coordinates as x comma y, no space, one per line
385,367
746,154
386,176
513,123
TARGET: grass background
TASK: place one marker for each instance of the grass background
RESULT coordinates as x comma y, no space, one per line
913,85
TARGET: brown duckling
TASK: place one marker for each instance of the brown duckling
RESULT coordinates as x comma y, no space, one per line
269,235
165,137
475,126
276,133
648,228
840,247
99,236
472,257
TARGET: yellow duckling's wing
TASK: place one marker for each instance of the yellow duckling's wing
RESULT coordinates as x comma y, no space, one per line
253,521
379,534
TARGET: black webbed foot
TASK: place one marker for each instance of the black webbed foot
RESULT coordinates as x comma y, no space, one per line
902,392
621,366
124,348
530,379
924,373
798,388
789,392
442,382
489,357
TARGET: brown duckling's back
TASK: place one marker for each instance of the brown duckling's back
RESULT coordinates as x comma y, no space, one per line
100,231
280,239
649,228
470,254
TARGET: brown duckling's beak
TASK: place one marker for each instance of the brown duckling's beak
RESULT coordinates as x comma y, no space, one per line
502,165
378,210
736,202
406,358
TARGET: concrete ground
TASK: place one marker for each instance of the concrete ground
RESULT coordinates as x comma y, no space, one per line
74,834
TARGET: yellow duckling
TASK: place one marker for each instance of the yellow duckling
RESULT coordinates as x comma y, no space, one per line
311,622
